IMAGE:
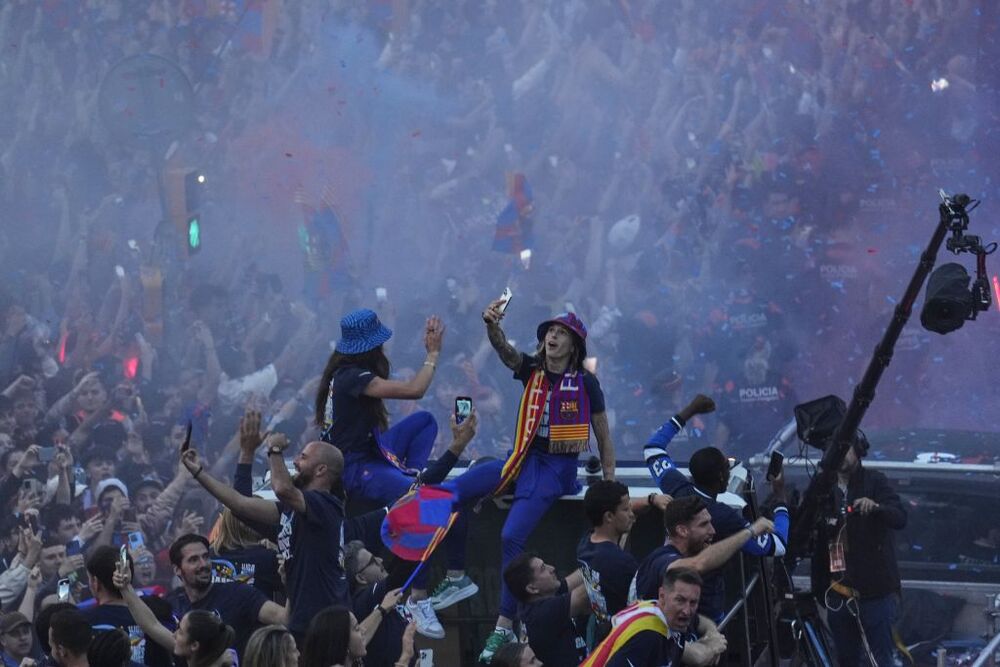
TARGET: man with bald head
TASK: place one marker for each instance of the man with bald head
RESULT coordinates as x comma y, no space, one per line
309,514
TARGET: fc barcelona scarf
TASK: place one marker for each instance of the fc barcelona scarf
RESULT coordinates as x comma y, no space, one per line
627,624
569,420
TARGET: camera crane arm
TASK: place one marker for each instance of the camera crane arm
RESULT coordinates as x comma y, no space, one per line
953,217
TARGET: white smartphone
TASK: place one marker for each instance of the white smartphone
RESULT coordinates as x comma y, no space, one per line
505,299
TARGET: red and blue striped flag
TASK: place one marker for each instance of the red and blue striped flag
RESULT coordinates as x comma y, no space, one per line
417,522
513,231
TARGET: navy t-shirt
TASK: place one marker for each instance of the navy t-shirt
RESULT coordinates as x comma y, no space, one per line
607,571
387,643
238,605
552,633
144,650
353,414
590,384
311,542
651,569
254,565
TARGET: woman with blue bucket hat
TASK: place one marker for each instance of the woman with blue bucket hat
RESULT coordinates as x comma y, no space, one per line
381,462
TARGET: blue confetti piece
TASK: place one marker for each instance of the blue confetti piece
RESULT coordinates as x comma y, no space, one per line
890,300
875,133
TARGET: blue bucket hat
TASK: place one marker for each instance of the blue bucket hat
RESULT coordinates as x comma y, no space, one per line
361,331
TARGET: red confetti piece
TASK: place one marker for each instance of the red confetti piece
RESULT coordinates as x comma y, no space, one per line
288,155
872,251
415,133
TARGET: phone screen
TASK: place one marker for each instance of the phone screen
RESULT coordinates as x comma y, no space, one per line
135,540
463,408
73,548
63,590
46,454
123,556
774,467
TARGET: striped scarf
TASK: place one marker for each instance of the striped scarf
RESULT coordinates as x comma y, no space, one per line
569,420
627,624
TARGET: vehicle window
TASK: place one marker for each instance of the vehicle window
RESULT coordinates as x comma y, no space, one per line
951,530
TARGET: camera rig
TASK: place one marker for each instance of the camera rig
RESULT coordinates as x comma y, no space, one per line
953,219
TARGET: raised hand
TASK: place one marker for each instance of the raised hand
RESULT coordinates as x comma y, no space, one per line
122,577
250,435
701,405
493,314
433,334
463,433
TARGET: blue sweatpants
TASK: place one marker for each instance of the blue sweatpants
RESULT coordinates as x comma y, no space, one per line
543,479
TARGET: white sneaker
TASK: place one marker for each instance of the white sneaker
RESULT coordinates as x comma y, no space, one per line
427,621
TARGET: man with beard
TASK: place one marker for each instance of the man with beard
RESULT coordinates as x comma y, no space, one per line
240,605
688,545
310,513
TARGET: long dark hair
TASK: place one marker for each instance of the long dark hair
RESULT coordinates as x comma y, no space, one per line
327,638
214,637
373,360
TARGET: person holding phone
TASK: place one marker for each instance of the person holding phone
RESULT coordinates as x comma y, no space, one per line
381,462
560,405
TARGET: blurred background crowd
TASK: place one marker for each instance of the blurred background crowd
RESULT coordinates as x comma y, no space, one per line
730,196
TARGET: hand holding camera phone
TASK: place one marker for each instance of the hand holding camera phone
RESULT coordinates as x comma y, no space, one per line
187,438
463,408
774,467
505,300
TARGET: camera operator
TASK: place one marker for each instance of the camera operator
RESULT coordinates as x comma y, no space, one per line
854,572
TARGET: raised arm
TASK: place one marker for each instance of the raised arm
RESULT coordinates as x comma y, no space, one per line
247,508
140,611
510,357
416,387
715,555
281,480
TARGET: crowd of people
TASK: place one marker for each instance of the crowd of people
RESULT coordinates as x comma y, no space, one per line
720,194
87,550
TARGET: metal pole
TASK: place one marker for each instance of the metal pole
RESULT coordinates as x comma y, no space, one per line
772,633
987,655
864,393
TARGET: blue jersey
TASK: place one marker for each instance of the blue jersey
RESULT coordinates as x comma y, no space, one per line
726,520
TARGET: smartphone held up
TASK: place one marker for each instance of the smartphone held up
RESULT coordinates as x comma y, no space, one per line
463,408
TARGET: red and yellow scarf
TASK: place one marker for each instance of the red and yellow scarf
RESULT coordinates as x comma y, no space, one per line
628,623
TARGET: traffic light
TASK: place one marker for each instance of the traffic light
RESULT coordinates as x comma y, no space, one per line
193,235
184,188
